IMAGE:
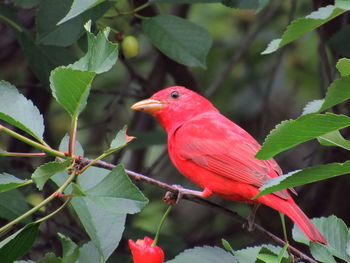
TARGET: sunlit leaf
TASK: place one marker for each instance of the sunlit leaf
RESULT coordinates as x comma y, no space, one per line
102,54
305,176
343,66
334,139
71,88
117,194
78,7
45,171
19,111
120,141
338,92
8,182
300,26
336,233
290,133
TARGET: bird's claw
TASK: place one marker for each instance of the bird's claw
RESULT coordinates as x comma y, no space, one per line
183,191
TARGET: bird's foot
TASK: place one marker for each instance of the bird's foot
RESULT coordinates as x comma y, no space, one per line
184,191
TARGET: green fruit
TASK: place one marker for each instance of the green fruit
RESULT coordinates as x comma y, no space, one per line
130,46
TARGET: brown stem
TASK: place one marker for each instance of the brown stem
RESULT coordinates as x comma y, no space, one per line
202,201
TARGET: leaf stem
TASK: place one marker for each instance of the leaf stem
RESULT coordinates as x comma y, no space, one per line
15,154
283,221
134,11
155,241
32,143
37,207
73,135
12,23
55,212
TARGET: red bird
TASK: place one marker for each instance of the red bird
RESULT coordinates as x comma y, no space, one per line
217,154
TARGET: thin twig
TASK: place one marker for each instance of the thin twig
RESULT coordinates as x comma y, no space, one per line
196,199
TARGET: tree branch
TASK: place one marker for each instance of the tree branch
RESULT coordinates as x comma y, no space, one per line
196,199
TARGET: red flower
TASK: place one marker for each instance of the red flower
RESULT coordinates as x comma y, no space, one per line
143,251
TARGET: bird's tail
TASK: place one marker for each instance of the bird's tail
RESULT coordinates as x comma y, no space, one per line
291,209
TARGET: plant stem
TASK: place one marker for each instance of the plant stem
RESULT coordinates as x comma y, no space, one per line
93,162
32,143
37,207
283,221
133,11
54,212
155,241
73,135
22,154
12,23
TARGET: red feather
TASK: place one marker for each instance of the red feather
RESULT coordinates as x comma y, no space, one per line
218,155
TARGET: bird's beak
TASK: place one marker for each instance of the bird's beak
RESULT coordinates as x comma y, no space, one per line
149,106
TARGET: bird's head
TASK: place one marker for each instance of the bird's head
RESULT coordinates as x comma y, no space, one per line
174,105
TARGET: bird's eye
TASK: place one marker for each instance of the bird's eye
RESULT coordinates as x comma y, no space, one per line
175,94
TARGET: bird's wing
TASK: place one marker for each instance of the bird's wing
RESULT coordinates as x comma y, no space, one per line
222,147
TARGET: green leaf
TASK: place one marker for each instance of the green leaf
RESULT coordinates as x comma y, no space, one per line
16,245
226,245
64,146
336,233
120,141
78,7
300,26
20,112
338,92
102,54
117,194
9,182
98,223
12,205
343,66
77,190
179,39
70,250
250,254
334,139
266,256
305,176
245,4
42,59
88,253
344,4
290,133
321,254
204,254
71,88
49,33
45,171
50,258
